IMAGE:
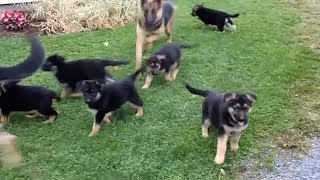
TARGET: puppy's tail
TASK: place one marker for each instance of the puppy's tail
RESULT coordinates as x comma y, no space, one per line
200,92
233,15
29,66
112,62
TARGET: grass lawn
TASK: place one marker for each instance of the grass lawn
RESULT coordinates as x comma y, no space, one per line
264,57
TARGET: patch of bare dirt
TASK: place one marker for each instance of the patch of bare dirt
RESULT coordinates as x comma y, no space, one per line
28,30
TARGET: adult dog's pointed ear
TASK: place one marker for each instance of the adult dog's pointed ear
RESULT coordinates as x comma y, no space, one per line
252,97
229,96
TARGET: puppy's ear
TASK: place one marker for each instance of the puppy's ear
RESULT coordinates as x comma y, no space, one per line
229,96
252,97
143,2
161,57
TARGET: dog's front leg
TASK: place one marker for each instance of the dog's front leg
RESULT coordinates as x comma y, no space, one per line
139,45
234,141
148,81
221,148
97,123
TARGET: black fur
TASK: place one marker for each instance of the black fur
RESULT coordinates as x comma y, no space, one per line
172,55
15,97
107,98
29,66
216,105
70,73
213,17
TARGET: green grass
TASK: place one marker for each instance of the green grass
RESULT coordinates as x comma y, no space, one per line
263,57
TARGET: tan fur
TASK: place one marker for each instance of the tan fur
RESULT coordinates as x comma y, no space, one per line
107,117
139,111
50,120
95,129
5,119
146,38
10,156
234,140
148,81
221,148
205,128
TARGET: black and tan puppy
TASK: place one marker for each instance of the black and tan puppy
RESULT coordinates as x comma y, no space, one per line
70,73
35,99
229,113
214,17
103,99
156,18
166,60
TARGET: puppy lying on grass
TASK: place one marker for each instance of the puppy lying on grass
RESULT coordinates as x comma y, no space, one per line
167,60
229,113
102,99
70,73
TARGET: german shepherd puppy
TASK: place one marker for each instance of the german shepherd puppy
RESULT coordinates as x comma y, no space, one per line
167,59
36,99
157,18
103,99
29,66
229,113
70,73
214,17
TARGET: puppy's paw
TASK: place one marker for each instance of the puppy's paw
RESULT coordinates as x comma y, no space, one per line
145,87
91,134
169,41
205,135
219,159
234,147
139,112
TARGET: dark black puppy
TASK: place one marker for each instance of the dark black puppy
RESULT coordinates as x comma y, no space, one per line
229,113
103,99
167,60
214,17
35,99
70,73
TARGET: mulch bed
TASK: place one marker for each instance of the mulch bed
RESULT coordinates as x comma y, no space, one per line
28,30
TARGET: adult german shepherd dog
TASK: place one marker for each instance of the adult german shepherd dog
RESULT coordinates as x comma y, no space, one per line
156,18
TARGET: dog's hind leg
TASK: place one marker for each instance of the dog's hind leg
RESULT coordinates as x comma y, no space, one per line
234,141
49,112
205,127
221,27
230,24
107,117
137,102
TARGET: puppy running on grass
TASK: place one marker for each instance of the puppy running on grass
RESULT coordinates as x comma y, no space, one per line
214,17
229,113
167,60
102,99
